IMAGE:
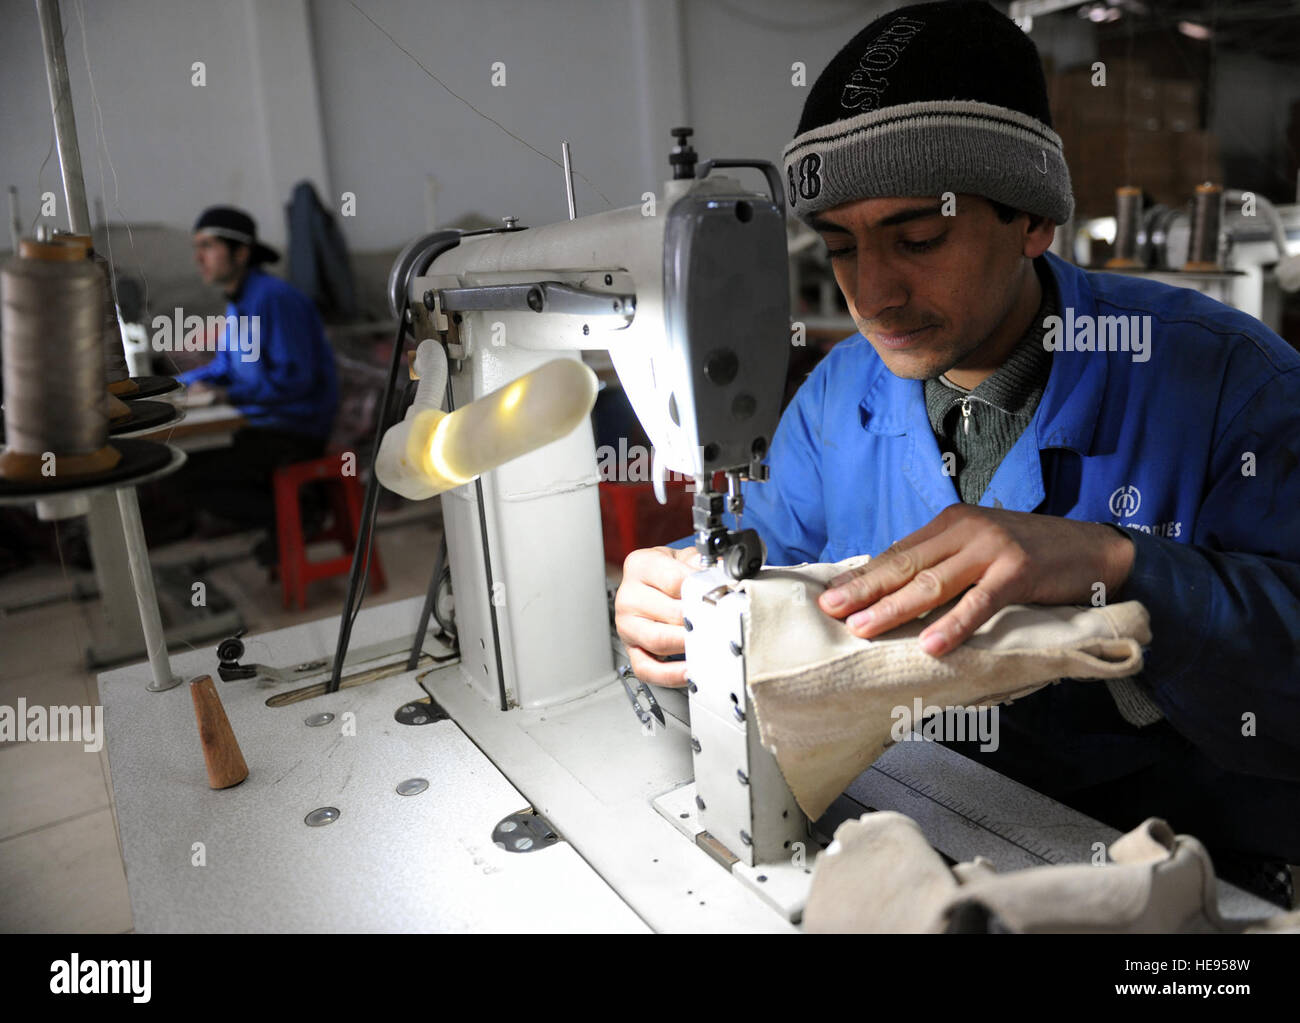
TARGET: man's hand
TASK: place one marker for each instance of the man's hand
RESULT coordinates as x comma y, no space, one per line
648,611
1004,557
200,393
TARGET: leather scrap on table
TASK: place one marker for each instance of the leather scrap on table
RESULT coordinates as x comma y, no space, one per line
880,875
825,700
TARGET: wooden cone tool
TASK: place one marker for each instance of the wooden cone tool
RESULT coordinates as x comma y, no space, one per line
226,765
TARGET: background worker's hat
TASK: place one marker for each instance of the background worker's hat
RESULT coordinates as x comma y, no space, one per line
238,226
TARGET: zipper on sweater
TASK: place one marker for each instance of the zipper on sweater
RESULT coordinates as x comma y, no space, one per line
965,415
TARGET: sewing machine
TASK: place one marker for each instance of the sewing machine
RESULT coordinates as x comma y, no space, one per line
689,294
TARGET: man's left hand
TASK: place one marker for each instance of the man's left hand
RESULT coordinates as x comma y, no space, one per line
200,393
997,557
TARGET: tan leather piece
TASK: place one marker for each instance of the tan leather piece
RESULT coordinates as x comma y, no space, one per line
825,701
880,875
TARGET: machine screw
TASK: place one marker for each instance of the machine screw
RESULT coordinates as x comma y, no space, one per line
429,301
744,837
695,744
721,367
510,222
524,832
535,299
741,775
699,803
682,157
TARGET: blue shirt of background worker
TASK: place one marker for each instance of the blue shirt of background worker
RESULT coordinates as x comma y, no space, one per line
275,365
292,383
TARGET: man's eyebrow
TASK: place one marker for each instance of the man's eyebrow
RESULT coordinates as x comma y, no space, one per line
903,216
827,226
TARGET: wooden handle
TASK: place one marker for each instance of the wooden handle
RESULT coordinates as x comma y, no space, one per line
226,765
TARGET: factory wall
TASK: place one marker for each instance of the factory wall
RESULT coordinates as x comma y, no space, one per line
612,78
316,89
172,146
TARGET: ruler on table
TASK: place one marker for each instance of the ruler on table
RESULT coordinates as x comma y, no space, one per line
967,810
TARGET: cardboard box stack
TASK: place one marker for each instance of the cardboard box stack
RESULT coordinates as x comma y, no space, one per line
1136,129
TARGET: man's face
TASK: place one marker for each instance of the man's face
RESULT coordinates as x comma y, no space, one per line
929,290
215,262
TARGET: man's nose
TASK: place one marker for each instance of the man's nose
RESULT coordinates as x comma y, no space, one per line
878,288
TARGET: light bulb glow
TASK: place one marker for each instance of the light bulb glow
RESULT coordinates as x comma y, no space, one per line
442,451
513,395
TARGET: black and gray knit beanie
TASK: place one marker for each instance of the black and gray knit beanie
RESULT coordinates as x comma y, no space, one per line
932,98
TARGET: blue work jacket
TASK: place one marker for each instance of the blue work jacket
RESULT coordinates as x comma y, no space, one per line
1194,452
287,381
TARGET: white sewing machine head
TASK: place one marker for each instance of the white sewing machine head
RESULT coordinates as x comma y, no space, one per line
689,293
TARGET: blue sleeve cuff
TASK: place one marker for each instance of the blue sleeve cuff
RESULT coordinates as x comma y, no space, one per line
1174,583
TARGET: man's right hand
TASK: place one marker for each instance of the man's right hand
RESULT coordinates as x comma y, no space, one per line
648,611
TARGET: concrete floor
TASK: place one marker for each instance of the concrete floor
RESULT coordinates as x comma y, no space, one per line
60,858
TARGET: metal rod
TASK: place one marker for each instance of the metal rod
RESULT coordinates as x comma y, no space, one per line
74,191
369,505
15,221
485,540
492,604
65,121
429,599
137,555
568,180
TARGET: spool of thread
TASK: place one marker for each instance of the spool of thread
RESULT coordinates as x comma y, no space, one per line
1128,217
116,373
51,345
116,410
1207,215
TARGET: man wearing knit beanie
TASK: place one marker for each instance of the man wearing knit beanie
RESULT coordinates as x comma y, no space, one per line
992,434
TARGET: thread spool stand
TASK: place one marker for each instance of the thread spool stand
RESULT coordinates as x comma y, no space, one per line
114,511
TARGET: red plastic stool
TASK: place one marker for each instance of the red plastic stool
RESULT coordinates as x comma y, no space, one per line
345,501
